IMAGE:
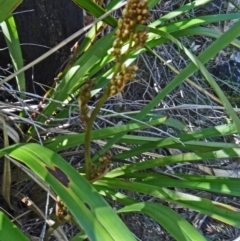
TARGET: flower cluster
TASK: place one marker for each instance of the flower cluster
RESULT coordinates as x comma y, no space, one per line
83,99
62,212
135,13
103,166
118,82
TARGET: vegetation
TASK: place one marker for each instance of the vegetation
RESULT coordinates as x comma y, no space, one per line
103,65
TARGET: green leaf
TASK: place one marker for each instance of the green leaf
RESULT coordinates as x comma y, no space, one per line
10,33
205,56
203,31
170,122
77,75
190,22
9,231
222,130
169,160
89,209
62,142
95,10
7,7
219,211
188,145
223,185
176,226
165,216
79,237
229,35
179,11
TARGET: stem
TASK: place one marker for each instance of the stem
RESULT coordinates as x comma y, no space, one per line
87,145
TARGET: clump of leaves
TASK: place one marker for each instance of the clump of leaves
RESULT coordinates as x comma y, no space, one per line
107,63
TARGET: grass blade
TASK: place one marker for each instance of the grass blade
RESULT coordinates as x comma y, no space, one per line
219,211
169,160
62,142
222,130
7,7
94,9
179,11
10,33
9,231
227,185
90,210
178,227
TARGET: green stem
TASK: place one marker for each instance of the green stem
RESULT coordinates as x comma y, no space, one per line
87,145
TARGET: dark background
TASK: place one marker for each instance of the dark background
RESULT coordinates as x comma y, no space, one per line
47,23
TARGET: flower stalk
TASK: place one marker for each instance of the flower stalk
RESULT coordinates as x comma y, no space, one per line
135,13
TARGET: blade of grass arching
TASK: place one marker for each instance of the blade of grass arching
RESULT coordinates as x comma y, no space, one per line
63,142
90,210
94,9
222,212
229,186
187,29
171,221
206,19
189,145
170,142
7,7
165,216
87,62
9,231
221,130
140,140
204,57
190,22
216,88
185,32
10,33
170,160
170,122
206,74
203,31
177,12
203,146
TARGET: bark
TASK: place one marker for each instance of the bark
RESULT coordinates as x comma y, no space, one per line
44,23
